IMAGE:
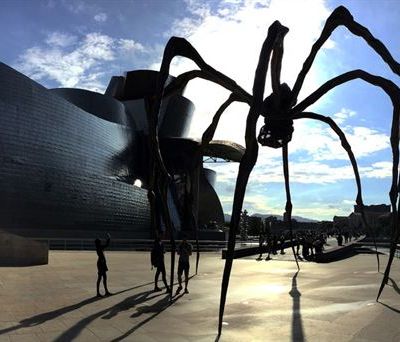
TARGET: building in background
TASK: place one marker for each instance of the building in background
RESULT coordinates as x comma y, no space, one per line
378,218
74,163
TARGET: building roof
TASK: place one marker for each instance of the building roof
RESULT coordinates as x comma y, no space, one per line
216,149
224,149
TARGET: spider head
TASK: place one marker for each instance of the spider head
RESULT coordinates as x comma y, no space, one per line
278,128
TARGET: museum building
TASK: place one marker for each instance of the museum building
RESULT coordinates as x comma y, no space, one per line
74,163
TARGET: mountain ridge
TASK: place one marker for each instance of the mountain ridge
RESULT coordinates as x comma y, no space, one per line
279,217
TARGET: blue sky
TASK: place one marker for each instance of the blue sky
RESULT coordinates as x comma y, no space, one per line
83,43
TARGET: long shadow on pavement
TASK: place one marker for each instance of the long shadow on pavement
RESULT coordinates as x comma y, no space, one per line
394,285
48,316
157,308
297,325
126,304
397,289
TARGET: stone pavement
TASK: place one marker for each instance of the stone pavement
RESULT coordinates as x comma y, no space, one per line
267,301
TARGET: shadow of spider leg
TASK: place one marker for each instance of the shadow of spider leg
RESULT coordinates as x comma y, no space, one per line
393,92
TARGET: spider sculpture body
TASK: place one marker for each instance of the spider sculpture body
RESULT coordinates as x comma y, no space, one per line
279,110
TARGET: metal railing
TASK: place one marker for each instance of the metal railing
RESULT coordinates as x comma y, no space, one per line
124,244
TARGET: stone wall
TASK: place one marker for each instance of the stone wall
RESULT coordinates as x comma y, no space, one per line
19,251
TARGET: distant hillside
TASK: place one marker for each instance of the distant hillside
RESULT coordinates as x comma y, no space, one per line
279,217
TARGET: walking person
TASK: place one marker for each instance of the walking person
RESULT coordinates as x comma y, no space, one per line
268,242
157,260
102,265
261,240
184,252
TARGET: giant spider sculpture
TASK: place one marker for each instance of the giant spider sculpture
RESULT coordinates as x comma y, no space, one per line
279,110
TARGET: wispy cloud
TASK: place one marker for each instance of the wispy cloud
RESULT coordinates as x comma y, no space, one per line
343,115
60,39
229,36
319,141
74,6
100,17
73,62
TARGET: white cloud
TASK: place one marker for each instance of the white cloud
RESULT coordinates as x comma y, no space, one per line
343,115
72,62
320,142
74,6
269,170
60,39
100,17
131,45
230,37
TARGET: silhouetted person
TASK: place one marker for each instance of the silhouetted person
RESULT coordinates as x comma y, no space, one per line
274,244
261,240
102,265
339,239
157,260
268,241
184,252
282,240
297,244
318,245
346,237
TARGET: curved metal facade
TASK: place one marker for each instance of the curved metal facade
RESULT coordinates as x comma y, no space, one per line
55,172
68,159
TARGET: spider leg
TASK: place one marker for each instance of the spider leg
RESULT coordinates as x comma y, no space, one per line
183,79
175,46
341,16
396,231
347,147
164,187
249,158
393,92
276,63
208,134
288,207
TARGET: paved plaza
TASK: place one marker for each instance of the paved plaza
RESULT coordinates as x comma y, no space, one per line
267,301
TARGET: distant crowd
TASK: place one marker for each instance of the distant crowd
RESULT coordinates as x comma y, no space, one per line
307,244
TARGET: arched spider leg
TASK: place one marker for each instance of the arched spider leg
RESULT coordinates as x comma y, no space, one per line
207,136
159,181
341,16
183,79
345,144
393,92
175,46
164,188
276,65
288,206
249,158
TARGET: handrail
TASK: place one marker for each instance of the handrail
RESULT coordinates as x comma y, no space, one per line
123,244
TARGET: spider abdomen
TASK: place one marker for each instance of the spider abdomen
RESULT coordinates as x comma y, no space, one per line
278,129
276,133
